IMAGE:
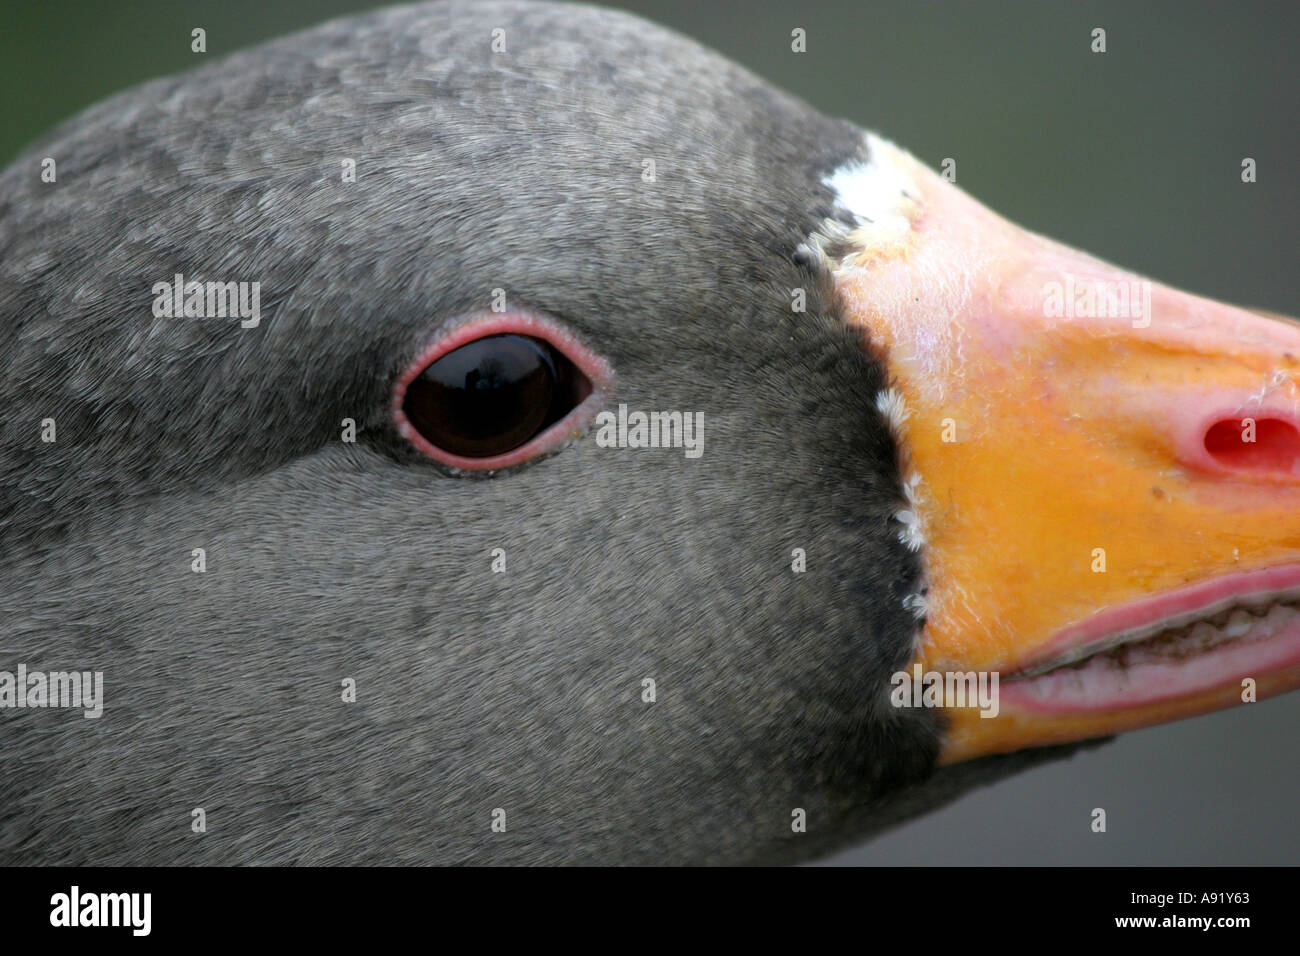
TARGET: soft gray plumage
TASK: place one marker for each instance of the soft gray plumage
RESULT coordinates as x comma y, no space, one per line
328,560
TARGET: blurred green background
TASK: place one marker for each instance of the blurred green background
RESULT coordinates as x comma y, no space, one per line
1134,155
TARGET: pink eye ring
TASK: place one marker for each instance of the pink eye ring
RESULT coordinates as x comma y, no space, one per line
499,390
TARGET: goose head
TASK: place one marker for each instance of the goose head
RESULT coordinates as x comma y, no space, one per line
384,562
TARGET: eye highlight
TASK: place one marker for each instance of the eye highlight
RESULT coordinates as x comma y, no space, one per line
498,392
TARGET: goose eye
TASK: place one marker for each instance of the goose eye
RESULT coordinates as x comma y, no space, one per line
492,396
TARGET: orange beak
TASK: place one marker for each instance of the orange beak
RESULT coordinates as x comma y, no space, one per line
1105,472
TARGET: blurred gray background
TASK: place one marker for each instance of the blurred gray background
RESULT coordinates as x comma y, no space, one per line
1133,155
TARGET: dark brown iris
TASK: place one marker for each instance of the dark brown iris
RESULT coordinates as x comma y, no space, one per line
492,395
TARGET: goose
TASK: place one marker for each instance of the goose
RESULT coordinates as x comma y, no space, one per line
507,433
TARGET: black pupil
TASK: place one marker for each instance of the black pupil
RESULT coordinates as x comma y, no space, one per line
492,395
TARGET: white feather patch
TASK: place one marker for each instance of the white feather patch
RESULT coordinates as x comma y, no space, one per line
877,193
891,404
881,200
918,604
913,533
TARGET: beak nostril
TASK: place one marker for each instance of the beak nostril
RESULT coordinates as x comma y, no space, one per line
1261,445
